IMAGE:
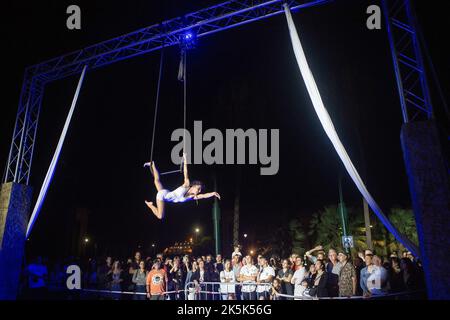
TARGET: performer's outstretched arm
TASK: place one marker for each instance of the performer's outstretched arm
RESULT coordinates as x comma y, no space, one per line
207,195
186,183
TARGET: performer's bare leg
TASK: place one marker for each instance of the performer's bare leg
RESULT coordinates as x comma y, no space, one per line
157,210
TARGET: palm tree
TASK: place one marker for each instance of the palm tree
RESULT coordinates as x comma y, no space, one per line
297,236
325,227
403,220
278,243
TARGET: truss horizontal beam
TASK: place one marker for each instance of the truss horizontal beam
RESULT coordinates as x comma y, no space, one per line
217,18
204,22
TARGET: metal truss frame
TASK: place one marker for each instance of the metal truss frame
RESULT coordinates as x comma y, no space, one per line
412,85
204,22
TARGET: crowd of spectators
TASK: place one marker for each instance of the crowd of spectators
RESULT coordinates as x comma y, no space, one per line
317,273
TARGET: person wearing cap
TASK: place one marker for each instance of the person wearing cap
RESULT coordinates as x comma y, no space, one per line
347,276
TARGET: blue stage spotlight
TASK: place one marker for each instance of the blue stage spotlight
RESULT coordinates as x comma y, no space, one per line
188,40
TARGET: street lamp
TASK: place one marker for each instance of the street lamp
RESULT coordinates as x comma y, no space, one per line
197,231
245,235
86,240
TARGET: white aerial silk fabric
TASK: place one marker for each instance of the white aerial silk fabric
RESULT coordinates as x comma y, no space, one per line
51,169
328,126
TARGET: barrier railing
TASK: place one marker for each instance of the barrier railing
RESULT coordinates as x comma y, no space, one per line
223,290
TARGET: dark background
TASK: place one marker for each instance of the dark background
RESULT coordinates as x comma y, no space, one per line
244,77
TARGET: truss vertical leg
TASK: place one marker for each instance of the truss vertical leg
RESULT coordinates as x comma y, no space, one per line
422,150
12,165
408,62
22,145
26,158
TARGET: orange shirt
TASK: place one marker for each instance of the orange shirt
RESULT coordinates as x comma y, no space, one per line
156,280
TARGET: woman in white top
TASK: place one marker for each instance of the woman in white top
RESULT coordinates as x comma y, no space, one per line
186,192
265,278
227,276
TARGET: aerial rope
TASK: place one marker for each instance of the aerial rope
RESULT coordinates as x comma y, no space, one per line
158,89
183,64
328,126
51,169
182,77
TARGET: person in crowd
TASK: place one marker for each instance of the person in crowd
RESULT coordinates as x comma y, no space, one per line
298,277
168,265
382,274
311,276
160,257
347,276
191,268
140,281
156,282
184,268
410,256
91,276
148,263
410,276
199,277
104,274
292,259
237,252
373,276
135,263
214,277
37,274
243,262
116,279
333,268
320,288
190,272
219,264
396,283
275,289
236,266
209,263
248,276
259,264
285,276
359,264
175,279
127,276
227,278
275,263
298,263
264,280
320,254
185,264
58,276
302,290
366,272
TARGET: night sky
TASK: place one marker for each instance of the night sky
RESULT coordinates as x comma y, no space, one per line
245,77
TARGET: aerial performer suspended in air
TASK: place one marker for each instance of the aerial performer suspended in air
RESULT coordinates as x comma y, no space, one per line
186,192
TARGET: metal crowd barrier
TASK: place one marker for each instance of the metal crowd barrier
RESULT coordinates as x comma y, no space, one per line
213,291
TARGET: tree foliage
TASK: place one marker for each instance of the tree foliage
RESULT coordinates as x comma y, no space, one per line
325,228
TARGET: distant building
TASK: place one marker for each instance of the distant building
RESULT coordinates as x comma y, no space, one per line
179,248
